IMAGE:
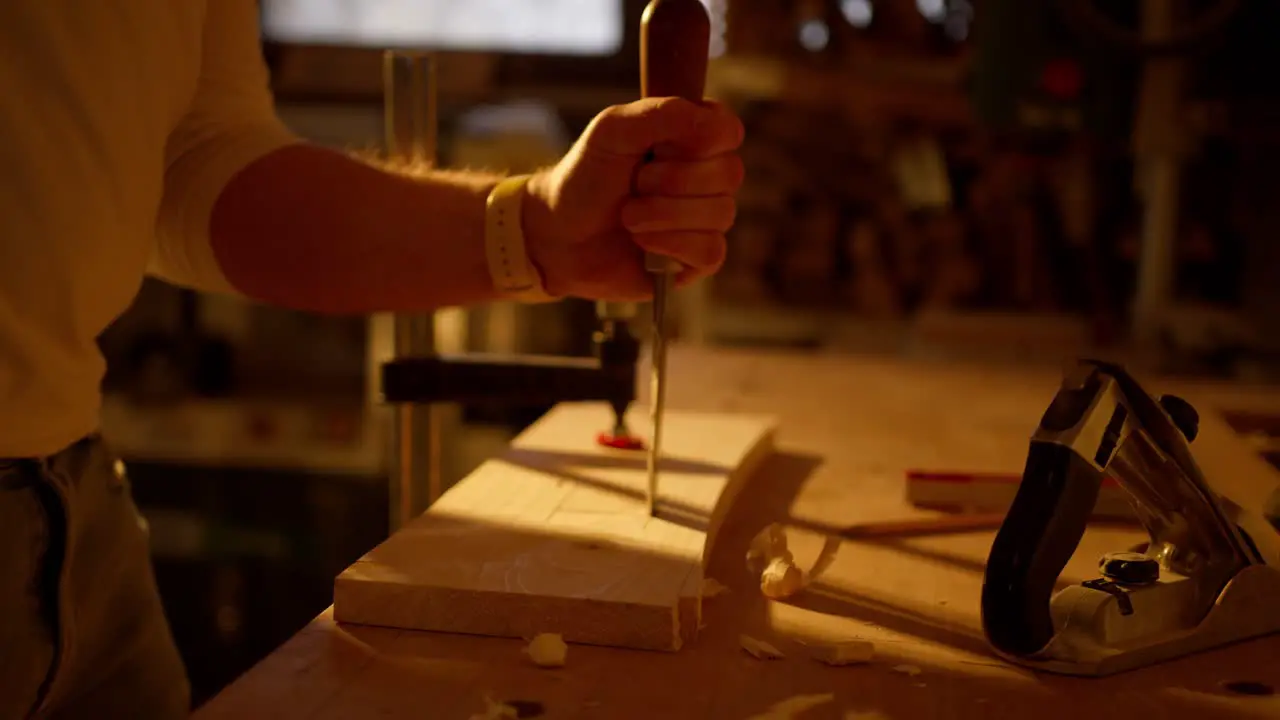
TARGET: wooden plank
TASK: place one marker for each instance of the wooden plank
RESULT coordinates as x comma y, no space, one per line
870,421
554,537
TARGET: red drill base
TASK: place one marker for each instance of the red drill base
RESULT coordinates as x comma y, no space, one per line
620,442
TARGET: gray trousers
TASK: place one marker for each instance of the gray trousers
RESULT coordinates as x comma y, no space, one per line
82,630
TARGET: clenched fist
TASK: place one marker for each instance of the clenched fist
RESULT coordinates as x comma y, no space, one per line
660,175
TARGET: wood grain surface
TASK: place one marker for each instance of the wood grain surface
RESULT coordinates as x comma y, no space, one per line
555,537
849,428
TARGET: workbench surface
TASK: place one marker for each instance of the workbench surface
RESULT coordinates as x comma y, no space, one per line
849,428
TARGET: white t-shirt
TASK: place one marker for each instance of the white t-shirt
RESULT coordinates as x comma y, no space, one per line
122,121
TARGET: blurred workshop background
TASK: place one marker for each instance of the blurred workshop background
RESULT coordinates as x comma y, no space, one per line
997,181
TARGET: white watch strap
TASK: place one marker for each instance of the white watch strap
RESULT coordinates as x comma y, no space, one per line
513,273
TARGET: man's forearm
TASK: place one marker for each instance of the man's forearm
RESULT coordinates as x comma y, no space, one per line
313,229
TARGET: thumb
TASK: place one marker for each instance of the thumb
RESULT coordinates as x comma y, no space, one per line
636,128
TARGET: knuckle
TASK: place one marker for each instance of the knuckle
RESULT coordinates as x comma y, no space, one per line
726,213
739,131
735,172
612,114
608,121
716,249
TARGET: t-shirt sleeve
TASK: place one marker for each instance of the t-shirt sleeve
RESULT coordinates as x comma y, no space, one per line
230,123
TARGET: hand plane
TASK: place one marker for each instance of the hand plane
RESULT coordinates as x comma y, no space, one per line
1209,576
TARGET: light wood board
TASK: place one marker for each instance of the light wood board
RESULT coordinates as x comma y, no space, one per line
554,537
864,421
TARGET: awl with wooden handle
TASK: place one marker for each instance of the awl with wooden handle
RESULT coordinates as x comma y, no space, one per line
675,39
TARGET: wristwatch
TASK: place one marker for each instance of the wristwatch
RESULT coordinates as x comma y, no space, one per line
514,274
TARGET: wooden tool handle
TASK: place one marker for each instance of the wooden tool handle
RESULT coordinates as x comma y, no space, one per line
943,525
675,40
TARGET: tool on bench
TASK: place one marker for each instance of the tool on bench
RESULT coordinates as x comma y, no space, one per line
675,41
1209,576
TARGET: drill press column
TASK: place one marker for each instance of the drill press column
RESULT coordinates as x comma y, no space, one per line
410,138
1159,144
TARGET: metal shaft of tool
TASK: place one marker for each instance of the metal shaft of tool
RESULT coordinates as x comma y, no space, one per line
675,43
410,140
657,384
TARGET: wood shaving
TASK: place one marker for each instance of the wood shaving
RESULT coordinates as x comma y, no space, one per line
769,557
781,579
826,556
547,650
851,652
766,547
794,706
759,648
495,711
910,670
712,587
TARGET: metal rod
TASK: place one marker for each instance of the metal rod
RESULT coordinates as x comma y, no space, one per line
1159,146
410,141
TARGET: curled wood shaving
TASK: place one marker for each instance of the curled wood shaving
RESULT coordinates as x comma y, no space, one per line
769,545
547,650
769,557
759,648
781,579
712,587
793,707
826,557
494,710
851,652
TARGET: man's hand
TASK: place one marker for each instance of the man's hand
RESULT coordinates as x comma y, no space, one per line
313,229
589,219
